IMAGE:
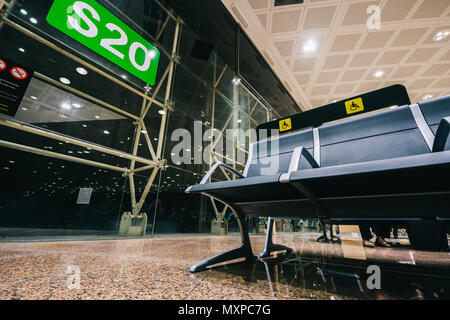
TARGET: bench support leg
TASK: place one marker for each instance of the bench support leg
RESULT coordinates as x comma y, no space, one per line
245,251
269,246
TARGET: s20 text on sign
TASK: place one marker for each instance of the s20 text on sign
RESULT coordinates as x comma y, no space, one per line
101,31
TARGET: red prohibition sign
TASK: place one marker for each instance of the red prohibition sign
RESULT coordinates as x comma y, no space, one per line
19,73
2,65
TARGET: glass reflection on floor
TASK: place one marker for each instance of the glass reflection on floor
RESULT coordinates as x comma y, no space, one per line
327,271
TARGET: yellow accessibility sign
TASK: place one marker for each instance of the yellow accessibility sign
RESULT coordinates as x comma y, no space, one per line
286,125
354,106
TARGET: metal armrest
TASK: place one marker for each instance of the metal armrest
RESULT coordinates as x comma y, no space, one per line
442,135
296,157
295,161
215,167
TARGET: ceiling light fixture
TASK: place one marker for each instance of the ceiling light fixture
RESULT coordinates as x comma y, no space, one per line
23,11
33,20
441,35
427,96
162,112
82,71
76,105
65,80
33,97
66,106
310,46
22,50
379,74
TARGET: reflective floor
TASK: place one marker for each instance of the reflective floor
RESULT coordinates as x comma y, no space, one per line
158,269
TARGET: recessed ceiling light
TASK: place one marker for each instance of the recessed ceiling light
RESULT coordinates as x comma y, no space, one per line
33,97
162,112
124,77
33,20
24,109
143,131
82,71
76,105
65,80
441,35
23,11
310,46
66,105
106,132
22,50
378,74
97,117
84,126
427,96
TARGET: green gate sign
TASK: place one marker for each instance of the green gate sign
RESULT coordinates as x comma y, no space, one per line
101,31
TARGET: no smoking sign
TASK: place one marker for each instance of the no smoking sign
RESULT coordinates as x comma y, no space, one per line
19,73
14,81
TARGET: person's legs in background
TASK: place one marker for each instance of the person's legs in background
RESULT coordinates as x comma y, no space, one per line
382,231
366,235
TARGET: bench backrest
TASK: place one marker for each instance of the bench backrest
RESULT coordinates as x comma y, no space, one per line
387,134
435,110
393,133
269,157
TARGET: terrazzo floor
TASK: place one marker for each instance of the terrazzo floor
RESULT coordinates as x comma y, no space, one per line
157,268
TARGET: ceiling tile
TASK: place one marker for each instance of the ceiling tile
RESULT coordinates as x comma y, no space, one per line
437,70
285,21
317,18
395,10
363,59
446,56
303,78
263,19
421,84
431,9
346,88
353,75
285,47
423,54
321,90
328,77
334,62
443,84
366,87
377,39
405,72
409,37
304,64
259,4
345,42
357,13
393,57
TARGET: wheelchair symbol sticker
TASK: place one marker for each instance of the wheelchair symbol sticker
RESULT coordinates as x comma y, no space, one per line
286,125
19,73
2,65
354,106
